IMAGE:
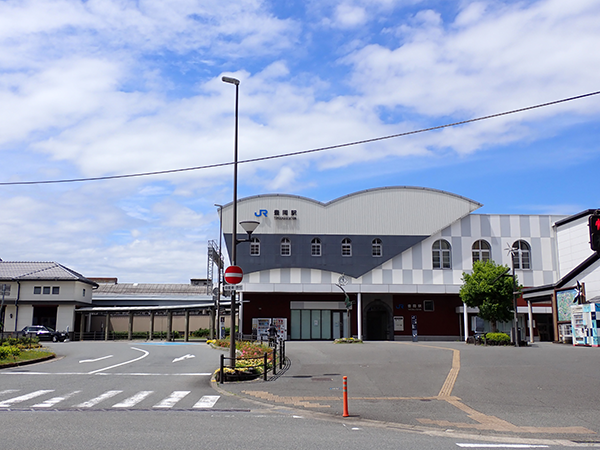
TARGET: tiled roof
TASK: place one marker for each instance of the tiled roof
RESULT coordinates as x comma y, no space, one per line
148,289
23,270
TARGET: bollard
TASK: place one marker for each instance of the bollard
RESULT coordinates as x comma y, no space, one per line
345,398
265,367
281,355
222,369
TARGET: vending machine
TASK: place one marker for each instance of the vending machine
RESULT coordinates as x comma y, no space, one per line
585,322
260,329
281,325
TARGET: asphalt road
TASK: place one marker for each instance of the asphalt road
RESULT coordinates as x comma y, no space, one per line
116,375
543,391
401,395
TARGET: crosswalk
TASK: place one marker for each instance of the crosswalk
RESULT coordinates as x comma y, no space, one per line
117,399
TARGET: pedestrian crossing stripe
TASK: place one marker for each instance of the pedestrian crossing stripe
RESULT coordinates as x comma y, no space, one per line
206,401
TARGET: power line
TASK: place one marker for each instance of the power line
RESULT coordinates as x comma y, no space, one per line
302,152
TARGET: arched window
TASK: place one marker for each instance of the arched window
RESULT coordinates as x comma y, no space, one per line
482,251
346,247
254,246
441,254
376,248
286,247
521,255
315,247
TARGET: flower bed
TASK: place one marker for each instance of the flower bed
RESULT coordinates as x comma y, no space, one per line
348,341
249,363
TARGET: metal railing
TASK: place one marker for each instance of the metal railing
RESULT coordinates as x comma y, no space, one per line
278,360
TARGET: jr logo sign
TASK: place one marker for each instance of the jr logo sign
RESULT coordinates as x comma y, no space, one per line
262,212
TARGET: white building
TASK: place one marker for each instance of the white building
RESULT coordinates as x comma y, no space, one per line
402,250
41,293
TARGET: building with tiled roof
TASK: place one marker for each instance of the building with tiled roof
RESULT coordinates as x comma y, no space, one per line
41,293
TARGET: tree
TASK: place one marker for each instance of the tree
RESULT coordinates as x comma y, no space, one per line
488,289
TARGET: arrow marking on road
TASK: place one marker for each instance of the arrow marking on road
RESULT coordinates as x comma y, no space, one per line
181,358
94,360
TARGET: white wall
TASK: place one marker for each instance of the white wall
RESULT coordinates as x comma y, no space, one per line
65,317
573,244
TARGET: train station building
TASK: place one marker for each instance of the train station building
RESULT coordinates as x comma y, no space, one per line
399,253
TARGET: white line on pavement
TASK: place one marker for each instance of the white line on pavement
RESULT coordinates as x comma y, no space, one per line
502,445
134,400
142,374
100,398
123,363
22,398
8,391
172,399
181,358
94,360
207,401
53,401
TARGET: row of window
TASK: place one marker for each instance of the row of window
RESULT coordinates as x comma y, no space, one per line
46,290
285,247
441,251
481,251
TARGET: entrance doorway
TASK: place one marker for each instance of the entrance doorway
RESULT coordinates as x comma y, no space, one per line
45,315
316,324
378,318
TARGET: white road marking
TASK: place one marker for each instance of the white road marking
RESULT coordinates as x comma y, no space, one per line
134,400
94,360
22,398
8,391
181,358
143,374
123,363
207,401
53,401
100,398
172,399
502,445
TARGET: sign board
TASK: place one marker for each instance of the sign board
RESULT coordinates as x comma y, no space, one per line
398,323
234,275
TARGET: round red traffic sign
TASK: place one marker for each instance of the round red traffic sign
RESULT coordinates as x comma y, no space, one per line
234,275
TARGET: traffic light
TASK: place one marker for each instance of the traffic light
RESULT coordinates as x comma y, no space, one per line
594,223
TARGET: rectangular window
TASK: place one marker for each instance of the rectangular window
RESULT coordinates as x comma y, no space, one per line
428,305
37,289
46,290
55,290
446,260
84,293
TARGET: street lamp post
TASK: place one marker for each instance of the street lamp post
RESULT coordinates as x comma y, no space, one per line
235,82
220,268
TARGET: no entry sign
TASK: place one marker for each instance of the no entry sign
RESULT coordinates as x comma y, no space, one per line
234,275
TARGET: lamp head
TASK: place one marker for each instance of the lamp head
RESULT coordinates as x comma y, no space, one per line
231,80
249,226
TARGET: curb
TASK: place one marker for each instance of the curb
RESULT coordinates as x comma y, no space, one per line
26,363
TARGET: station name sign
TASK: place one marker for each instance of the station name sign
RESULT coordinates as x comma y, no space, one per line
279,214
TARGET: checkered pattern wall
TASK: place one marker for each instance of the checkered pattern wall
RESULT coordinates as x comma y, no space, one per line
412,270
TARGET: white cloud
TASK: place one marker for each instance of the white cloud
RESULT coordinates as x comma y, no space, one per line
489,60
109,87
349,16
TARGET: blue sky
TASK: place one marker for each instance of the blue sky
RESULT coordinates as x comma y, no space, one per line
110,87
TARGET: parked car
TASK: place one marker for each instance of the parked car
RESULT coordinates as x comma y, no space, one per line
44,333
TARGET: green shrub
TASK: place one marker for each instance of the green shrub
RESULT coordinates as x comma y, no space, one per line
9,351
22,342
201,332
497,338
